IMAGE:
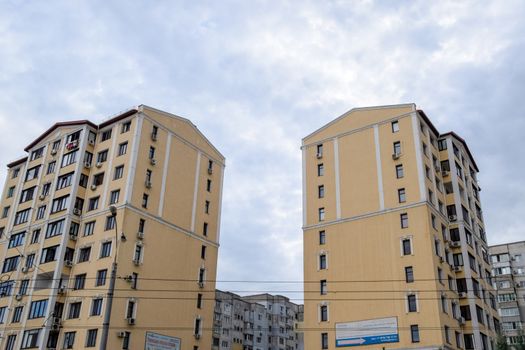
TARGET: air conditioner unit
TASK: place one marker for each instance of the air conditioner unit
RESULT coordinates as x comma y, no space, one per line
148,184
62,290
444,172
201,284
121,334
197,336
72,145
68,263
73,237
441,259
53,152
136,261
210,171
42,197
153,161
128,278
437,168
131,320
77,211
91,142
457,268
452,217
87,165
55,327
153,136
25,269
140,235
319,155
99,164
93,187
461,320
455,244
18,297
396,156
462,294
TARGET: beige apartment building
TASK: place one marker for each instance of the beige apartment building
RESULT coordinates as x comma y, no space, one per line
140,192
395,252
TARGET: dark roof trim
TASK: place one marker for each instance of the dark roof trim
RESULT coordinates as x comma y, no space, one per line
118,117
429,123
456,136
58,125
16,162
80,122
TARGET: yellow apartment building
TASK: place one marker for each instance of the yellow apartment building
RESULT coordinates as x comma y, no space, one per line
140,193
395,251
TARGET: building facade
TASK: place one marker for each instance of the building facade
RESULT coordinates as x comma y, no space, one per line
508,271
140,193
256,322
395,252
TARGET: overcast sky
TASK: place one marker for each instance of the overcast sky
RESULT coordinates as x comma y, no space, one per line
257,76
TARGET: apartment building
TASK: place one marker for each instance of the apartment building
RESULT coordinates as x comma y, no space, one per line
109,236
395,251
256,322
508,274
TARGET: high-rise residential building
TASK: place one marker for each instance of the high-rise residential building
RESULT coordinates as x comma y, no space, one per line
138,195
256,322
508,275
395,252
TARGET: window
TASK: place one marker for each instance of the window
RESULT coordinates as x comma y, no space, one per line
93,203
30,339
2,229
46,188
444,304
322,237
83,254
442,144
401,196
151,154
10,264
119,172
91,338
425,149
324,341
64,180
137,256
210,166
17,314
16,240
110,223
208,185
122,149
199,301
49,254
55,228
24,284
113,197
35,236
83,180
30,259
207,207
27,194
205,229
89,228
38,153
37,309
321,214
154,133
323,311
69,158
69,340
59,204
203,252
105,249
148,175
98,179
96,307
40,212
406,246
106,135
322,261
320,150
320,169
10,343
20,217
80,281
414,333
397,148
74,310
395,126
399,171
320,191
134,280
126,340
411,303
5,212
409,274
145,200
2,314
323,289
102,156
125,127
130,310
404,220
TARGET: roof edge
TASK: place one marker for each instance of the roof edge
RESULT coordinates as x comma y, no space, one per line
17,162
464,143
55,126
